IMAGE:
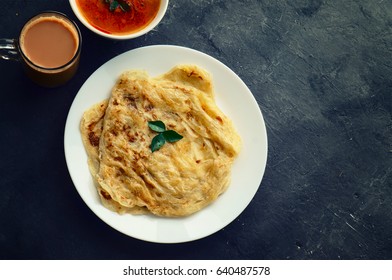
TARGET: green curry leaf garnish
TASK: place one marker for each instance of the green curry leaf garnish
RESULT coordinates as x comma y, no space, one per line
157,126
114,4
164,135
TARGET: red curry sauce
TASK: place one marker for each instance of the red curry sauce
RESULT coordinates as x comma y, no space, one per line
118,22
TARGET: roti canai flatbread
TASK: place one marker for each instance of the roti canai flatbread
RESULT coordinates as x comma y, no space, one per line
181,177
91,129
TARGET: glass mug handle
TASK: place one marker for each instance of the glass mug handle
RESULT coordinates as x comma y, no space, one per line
8,49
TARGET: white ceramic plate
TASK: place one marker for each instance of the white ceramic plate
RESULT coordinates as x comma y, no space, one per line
235,100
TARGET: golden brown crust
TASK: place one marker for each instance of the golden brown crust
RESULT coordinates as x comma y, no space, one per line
91,128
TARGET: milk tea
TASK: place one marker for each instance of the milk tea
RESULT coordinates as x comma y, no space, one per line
50,46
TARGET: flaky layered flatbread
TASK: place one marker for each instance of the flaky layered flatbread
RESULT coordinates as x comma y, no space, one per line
91,129
179,178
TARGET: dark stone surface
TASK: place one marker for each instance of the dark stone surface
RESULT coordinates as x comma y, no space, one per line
321,72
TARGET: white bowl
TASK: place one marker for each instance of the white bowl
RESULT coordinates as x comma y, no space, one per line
147,28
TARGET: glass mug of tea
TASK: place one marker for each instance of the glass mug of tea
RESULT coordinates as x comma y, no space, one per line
48,46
